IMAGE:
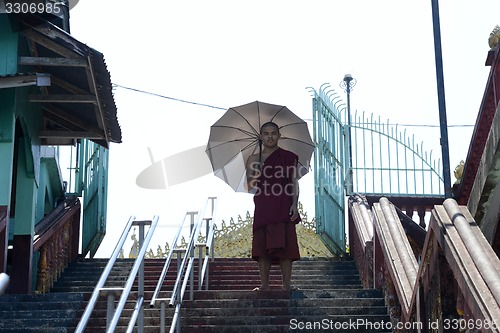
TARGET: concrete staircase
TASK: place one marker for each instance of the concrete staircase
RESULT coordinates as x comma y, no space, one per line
330,299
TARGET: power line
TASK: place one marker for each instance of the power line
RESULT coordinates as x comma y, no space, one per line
167,97
220,108
412,125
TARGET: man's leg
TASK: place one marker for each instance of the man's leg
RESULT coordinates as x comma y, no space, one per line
264,270
286,273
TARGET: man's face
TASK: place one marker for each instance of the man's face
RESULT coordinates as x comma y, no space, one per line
270,136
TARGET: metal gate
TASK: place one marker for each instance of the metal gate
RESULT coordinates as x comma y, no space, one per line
329,170
381,161
89,179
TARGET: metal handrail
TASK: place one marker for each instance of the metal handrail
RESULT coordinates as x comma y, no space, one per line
175,319
178,296
184,275
176,293
166,266
139,263
135,315
102,280
209,248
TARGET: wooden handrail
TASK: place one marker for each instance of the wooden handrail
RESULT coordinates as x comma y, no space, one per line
54,221
477,272
455,249
361,238
57,239
397,253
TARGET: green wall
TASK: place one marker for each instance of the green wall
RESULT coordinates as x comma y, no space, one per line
38,184
8,51
25,196
8,65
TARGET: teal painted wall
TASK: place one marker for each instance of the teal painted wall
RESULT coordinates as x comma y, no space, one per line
25,195
8,51
36,193
8,65
7,127
29,117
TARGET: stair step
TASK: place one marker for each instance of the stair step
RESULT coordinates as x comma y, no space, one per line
283,302
41,313
50,322
298,326
7,308
277,293
281,320
49,297
255,312
41,329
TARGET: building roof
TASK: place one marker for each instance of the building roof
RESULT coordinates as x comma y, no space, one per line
79,101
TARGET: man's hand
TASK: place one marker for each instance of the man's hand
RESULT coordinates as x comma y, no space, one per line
293,212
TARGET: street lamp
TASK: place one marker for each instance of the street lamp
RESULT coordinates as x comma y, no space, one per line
347,84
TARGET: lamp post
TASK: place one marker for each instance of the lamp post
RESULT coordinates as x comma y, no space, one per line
347,84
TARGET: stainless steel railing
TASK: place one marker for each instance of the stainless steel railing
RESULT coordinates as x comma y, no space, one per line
113,314
209,249
185,265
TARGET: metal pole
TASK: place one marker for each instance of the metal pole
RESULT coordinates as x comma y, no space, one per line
348,90
162,316
200,268
140,320
110,310
212,200
441,99
191,255
178,292
347,83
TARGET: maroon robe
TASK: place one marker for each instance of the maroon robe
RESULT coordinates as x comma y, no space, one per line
273,199
274,195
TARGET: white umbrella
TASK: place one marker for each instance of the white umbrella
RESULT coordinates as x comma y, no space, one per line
235,136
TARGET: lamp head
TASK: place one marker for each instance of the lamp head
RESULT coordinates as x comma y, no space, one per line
348,78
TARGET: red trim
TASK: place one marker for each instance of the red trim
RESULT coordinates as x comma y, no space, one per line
482,128
22,268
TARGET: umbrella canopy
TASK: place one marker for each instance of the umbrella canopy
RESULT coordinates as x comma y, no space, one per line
235,136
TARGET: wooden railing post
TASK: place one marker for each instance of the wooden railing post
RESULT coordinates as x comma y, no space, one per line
22,265
4,238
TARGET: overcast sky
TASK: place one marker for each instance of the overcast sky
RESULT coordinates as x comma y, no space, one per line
228,53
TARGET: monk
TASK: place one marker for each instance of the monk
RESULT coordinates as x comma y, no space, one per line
272,177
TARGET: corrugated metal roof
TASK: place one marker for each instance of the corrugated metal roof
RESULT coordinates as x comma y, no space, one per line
79,103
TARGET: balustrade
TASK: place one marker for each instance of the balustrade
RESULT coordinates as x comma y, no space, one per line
56,241
449,277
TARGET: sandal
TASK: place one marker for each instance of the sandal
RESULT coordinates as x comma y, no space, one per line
293,288
260,289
